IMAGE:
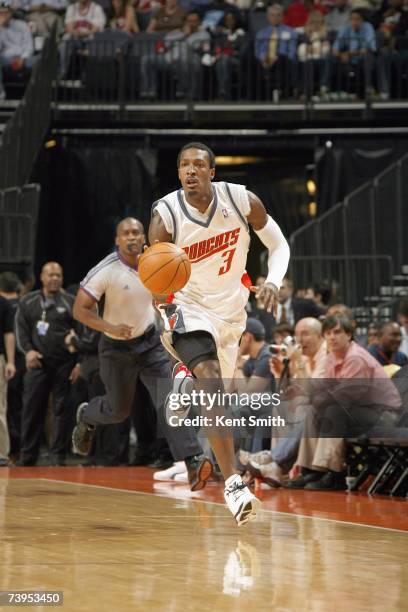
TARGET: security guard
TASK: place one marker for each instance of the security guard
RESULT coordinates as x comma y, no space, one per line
43,321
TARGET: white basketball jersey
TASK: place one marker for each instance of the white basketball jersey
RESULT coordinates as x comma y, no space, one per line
216,243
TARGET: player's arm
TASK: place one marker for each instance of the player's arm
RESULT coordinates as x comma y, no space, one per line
85,312
157,231
271,236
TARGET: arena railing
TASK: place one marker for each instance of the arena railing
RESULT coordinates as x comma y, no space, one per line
19,208
369,224
116,68
25,130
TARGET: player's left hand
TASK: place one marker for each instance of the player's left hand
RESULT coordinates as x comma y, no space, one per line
268,295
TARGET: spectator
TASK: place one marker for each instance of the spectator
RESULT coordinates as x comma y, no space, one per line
257,310
168,17
216,12
275,50
311,55
306,361
42,16
320,294
145,10
386,351
253,373
298,11
182,54
16,45
291,309
44,322
231,46
7,371
353,52
372,334
10,288
282,331
82,19
403,321
339,16
356,395
393,57
122,16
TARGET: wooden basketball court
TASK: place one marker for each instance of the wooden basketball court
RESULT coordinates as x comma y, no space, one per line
114,540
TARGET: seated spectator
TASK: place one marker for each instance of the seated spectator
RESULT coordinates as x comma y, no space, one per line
122,16
181,56
355,396
307,361
216,12
168,17
252,372
231,46
256,310
353,52
386,351
43,16
393,57
297,13
145,9
387,17
290,309
320,294
275,50
83,18
403,321
282,331
339,16
311,55
16,46
373,334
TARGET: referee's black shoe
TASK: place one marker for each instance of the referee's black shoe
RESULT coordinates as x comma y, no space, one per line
199,470
83,434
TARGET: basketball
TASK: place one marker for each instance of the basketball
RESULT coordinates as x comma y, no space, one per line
164,268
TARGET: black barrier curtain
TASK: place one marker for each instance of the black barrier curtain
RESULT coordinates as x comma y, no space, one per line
85,192
343,166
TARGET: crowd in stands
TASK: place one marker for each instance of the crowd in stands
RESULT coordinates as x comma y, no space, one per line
308,350
332,49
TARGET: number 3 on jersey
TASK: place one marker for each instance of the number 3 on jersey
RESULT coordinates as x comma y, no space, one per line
227,256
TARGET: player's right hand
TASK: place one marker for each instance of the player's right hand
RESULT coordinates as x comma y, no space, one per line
122,331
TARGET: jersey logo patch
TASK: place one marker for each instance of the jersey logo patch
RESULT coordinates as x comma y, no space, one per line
126,287
205,248
224,212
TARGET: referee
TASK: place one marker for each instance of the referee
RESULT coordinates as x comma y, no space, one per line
129,349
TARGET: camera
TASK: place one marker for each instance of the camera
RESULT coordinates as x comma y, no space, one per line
276,349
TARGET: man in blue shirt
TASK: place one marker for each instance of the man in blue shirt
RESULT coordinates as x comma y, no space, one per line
386,351
275,50
353,53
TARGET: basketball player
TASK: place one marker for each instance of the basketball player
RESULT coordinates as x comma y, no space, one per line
130,348
210,221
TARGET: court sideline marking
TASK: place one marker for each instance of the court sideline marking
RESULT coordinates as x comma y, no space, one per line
290,514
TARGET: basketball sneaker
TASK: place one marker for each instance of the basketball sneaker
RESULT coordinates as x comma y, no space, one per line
183,382
179,467
199,470
241,502
83,433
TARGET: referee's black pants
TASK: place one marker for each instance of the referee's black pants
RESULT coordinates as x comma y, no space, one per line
38,384
122,363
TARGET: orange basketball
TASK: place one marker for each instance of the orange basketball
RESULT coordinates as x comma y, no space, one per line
164,268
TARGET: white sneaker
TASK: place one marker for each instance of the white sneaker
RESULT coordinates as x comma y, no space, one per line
183,477
241,502
177,468
183,382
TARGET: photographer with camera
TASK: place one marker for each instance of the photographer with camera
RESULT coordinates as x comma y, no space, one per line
299,359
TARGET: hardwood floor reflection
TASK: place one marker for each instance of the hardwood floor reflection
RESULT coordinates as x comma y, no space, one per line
116,550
